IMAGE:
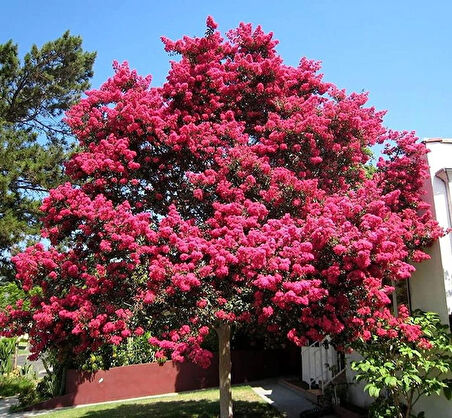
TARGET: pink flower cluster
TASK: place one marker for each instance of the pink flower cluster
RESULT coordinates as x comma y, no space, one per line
237,192
400,328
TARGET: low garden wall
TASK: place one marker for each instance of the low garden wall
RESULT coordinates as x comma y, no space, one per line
153,379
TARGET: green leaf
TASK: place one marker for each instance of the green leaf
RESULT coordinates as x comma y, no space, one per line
417,379
374,392
391,381
364,367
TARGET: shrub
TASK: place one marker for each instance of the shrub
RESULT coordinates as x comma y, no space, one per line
7,347
134,350
400,367
14,384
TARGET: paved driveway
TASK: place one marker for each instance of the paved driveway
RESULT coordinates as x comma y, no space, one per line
288,401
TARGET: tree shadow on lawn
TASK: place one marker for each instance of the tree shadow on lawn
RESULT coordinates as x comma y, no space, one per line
185,409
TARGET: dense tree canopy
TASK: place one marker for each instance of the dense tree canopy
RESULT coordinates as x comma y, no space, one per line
237,193
33,96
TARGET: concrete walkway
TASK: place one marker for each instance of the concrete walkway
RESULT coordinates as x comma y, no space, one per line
288,401
5,403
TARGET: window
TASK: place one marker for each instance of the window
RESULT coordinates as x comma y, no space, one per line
401,295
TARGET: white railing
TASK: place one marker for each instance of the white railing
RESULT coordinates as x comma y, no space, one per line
320,365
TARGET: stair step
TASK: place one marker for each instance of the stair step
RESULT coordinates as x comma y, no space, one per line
313,395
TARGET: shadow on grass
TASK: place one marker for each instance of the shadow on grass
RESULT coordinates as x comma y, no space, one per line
185,409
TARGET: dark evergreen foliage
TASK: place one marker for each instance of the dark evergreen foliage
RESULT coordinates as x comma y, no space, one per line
34,94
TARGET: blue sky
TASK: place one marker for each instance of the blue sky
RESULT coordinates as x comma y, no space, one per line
399,51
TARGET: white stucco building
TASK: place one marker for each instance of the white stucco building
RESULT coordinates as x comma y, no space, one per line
430,287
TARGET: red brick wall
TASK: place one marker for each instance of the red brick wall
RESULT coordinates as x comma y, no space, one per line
151,379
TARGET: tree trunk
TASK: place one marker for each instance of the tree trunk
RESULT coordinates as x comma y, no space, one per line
409,404
224,360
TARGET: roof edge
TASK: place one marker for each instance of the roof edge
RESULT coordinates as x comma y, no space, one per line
442,140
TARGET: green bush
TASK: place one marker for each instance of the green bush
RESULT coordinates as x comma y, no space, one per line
49,386
134,350
399,371
384,408
7,348
10,293
14,384
20,381
28,396
28,370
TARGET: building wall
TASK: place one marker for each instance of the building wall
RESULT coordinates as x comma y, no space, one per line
427,290
356,394
431,284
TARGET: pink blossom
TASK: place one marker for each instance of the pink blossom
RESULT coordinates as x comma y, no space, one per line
236,192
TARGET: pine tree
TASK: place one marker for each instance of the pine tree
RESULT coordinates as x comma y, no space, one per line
34,94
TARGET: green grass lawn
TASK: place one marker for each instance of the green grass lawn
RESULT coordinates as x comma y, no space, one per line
199,404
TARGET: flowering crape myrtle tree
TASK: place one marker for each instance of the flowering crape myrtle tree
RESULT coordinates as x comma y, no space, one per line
237,194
